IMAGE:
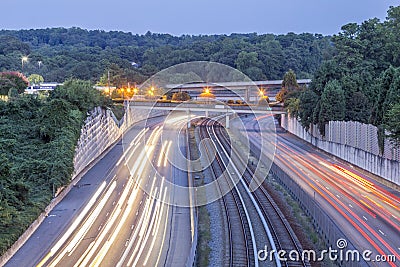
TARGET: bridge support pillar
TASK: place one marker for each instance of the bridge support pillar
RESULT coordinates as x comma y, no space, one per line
247,94
188,119
227,121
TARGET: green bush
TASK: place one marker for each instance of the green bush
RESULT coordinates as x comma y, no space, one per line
37,145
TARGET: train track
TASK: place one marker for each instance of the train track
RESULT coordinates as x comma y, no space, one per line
281,231
240,234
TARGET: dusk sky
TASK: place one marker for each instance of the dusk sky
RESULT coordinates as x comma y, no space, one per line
192,16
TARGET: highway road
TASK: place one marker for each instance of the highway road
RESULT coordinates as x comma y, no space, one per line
257,204
365,210
119,214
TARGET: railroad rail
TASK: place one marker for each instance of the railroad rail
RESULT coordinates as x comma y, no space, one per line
240,233
282,234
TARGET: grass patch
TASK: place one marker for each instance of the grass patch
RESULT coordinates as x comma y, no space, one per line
118,110
203,227
203,249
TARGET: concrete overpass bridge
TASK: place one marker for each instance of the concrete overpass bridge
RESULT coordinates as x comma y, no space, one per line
204,107
245,90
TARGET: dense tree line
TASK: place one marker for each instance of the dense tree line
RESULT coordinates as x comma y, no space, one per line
356,76
37,144
362,80
58,53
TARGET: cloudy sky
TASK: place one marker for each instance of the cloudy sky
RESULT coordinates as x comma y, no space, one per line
192,16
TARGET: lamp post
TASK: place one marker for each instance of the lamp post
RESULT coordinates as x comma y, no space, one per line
23,60
108,83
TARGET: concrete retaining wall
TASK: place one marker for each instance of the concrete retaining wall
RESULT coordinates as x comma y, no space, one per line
324,224
354,142
100,131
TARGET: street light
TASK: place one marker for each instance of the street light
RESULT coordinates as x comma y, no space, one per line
151,93
39,63
23,60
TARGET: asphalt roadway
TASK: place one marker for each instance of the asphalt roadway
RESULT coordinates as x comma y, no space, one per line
119,213
367,211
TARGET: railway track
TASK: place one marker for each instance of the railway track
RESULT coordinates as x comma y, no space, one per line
240,234
282,234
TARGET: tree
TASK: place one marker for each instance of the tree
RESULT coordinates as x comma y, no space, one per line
81,94
35,79
289,85
392,123
53,117
9,44
289,81
392,35
384,82
307,105
12,94
292,105
358,106
180,96
332,105
10,80
281,95
249,64
328,71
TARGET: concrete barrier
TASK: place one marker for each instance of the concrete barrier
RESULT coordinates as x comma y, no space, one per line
353,142
323,223
191,259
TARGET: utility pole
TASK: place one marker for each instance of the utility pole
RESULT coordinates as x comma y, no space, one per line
108,83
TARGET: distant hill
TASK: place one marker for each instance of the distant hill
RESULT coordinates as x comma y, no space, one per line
88,54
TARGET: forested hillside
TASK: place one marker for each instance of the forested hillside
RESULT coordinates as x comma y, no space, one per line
361,82
59,53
